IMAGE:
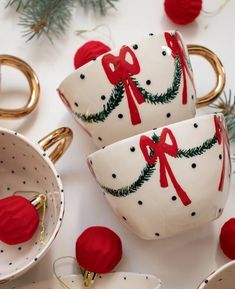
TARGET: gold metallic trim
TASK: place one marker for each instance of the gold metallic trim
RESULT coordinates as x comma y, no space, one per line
34,86
63,136
218,68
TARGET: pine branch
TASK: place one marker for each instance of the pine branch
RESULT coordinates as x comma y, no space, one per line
101,5
226,106
148,170
118,94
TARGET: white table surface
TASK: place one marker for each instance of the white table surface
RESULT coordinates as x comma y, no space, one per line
182,261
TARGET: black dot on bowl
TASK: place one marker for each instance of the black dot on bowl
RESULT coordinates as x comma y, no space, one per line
164,53
36,243
37,182
151,34
8,189
12,172
195,125
194,165
62,191
58,176
94,59
24,182
1,251
16,133
174,198
35,259
114,176
220,157
148,82
19,248
1,162
99,138
124,218
100,277
157,234
135,46
221,279
13,157
168,115
76,104
120,115
60,219
82,76
193,214
2,133
220,210
4,148
147,277
192,96
24,168
132,149
44,154
206,281
124,278
103,97
140,203
10,263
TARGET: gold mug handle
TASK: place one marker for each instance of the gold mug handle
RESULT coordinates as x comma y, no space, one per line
33,81
63,136
218,68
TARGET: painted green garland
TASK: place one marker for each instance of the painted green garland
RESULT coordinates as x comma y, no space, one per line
148,170
117,95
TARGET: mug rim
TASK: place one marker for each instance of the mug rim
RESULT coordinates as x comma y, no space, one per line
36,147
114,51
172,125
215,273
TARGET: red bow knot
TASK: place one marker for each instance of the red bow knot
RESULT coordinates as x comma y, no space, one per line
222,138
174,42
159,151
117,69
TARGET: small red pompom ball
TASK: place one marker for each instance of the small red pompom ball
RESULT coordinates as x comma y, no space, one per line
19,220
87,52
227,238
183,11
98,250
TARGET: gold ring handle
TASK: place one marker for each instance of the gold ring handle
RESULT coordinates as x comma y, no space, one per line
63,136
218,68
33,85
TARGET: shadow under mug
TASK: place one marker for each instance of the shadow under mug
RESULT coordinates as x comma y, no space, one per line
25,166
138,87
169,180
34,87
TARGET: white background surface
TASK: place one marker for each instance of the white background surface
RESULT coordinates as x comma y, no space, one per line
181,262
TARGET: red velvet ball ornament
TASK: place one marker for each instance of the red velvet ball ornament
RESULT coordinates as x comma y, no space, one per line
18,220
89,51
183,11
227,238
98,249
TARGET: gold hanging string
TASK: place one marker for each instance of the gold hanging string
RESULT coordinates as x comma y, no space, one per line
97,27
55,273
217,11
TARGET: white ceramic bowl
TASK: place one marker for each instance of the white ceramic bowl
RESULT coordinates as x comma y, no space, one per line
25,166
108,281
136,88
176,189
223,278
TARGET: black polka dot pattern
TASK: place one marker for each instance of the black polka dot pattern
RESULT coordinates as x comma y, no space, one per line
132,149
120,115
164,53
148,82
103,97
194,165
135,46
168,115
82,76
114,176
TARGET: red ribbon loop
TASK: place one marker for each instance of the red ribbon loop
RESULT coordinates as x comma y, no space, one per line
117,69
159,151
222,138
174,42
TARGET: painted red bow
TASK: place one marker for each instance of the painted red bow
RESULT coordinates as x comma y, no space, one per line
117,69
160,150
174,42
222,138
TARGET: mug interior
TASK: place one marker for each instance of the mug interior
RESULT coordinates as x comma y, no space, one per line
25,167
224,278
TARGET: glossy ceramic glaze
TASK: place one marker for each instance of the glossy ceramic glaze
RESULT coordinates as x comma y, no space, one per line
108,281
26,167
167,180
132,89
223,278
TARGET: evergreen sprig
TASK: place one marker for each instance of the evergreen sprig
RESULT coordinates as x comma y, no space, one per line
117,95
226,105
148,170
51,17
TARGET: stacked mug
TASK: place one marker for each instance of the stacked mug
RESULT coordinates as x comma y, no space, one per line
163,170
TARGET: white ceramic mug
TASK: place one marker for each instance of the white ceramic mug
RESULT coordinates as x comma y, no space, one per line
223,278
25,166
137,88
167,180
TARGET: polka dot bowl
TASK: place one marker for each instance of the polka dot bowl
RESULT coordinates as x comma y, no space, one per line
24,167
113,280
167,180
223,278
137,87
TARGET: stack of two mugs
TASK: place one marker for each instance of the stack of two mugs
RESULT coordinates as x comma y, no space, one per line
163,170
